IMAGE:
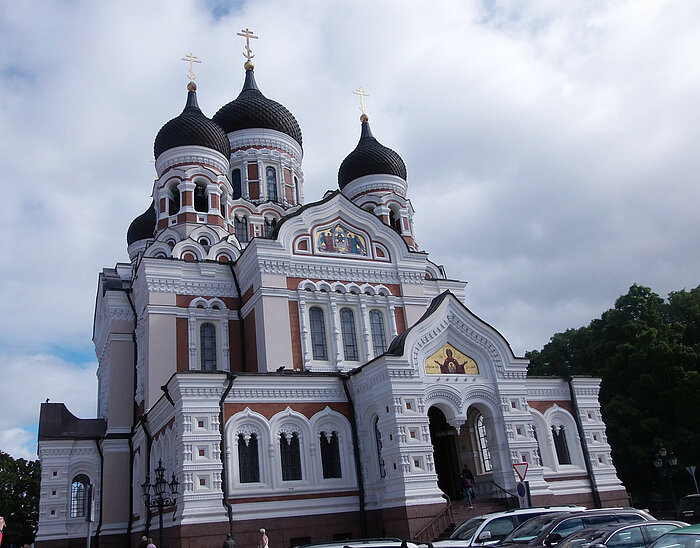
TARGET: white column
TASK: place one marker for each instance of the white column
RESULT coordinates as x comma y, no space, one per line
366,336
336,343
304,334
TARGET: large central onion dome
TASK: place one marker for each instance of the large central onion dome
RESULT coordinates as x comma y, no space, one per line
252,110
370,157
191,128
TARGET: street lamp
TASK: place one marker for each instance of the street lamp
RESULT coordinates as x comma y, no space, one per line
155,496
665,463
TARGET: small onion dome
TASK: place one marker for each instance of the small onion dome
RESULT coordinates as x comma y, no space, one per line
252,110
143,227
370,157
191,128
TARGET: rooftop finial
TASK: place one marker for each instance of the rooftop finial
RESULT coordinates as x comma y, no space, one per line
362,93
248,34
192,59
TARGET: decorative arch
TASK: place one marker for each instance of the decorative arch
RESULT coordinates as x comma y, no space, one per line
563,435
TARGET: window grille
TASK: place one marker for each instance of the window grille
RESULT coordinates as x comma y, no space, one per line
347,326
290,457
484,452
376,324
330,455
207,341
241,229
318,334
248,464
78,496
271,177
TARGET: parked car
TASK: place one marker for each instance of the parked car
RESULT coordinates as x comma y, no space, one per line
637,535
389,542
549,529
689,509
491,528
686,537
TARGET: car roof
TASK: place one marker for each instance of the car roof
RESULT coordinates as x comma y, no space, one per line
364,542
564,508
616,526
690,530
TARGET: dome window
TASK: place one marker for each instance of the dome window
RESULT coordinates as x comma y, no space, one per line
174,200
200,198
395,220
271,178
222,205
236,183
241,229
270,225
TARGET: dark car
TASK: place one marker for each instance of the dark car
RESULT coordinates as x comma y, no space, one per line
689,509
685,537
548,530
636,535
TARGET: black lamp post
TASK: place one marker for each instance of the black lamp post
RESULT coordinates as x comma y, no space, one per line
666,463
155,496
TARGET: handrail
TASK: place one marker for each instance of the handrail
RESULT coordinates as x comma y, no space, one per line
509,497
437,524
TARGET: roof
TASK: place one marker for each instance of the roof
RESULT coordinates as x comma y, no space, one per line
252,110
370,157
56,422
143,226
396,348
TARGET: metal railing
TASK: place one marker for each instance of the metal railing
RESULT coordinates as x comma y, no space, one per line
510,500
437,524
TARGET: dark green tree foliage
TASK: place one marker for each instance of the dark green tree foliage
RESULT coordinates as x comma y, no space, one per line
647,352
19,499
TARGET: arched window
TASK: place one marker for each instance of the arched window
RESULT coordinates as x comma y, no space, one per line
347,326
222,204
241,229
330,455
78,496
318,334
376,326
174,200
236,183
207,342
248,464
201,202
270,227
378,441
290,456
484,454
271,178
560,445
297,191
395,220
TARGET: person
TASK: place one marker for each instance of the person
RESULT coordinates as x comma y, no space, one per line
229,542
2,527
467,489
264,541
144,542
150,543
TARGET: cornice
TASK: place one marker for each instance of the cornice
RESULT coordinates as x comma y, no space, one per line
191,154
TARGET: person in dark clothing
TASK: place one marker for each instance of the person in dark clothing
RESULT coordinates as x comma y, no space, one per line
144,542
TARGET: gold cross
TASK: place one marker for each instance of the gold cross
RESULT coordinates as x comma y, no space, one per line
248,34
362,93
192,59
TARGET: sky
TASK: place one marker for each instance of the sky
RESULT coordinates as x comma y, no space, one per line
550,148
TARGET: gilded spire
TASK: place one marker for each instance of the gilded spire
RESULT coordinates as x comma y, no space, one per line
362,93
248,34
191,59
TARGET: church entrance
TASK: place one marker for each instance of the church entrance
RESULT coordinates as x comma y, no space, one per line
443,437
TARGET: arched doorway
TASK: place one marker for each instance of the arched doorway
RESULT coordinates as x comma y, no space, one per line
443,437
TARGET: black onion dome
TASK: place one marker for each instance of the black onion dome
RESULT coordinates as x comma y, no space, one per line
252,110
191,128
370,157
143,227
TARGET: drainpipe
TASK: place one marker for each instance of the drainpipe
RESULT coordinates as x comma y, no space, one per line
102,474
584,444
222,450
239,308
356,452
130,525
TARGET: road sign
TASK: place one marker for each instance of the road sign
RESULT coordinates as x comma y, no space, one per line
523,490
520,469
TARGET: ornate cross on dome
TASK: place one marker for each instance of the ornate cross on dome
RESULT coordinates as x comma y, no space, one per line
192,59
362,93
247,34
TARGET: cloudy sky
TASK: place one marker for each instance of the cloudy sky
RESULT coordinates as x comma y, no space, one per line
550,146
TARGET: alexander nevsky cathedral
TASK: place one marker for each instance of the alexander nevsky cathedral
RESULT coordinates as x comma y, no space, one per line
302,366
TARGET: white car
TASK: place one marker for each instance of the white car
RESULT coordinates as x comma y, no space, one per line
491,528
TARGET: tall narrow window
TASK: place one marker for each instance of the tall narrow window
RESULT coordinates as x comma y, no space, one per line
395,220
297,191
78,496
241,228
330,455
174,201
290,456
484,453
376,327
201,202
207,341
271,178
222,204
236,183
378,441
562,448
269,227
248,464
347,326
319,349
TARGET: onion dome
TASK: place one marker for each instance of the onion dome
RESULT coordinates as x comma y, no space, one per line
252,110
370,157
143,227
191,128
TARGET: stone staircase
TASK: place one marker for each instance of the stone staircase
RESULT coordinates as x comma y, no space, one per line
461,513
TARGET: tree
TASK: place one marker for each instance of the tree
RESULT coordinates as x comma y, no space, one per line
19,499
647,353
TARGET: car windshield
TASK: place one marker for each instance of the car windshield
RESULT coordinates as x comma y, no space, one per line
582,539
677,540
531,528
467,529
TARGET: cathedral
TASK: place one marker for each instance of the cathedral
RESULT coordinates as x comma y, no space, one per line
300,366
